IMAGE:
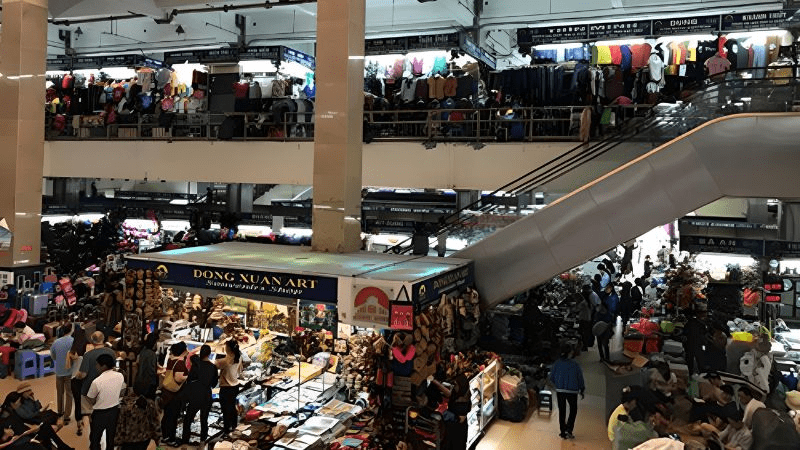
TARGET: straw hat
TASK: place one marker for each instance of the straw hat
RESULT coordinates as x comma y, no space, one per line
24,387
793,400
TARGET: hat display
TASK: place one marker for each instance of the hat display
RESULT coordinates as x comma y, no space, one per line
793,400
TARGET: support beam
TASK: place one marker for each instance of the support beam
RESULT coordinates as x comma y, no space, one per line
338,126
23,51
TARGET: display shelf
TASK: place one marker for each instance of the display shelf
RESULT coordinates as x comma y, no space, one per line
484,402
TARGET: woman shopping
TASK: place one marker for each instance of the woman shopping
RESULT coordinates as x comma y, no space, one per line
203,377
74,359
175,375
230,367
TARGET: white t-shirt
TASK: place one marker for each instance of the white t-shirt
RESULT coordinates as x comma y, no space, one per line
106,389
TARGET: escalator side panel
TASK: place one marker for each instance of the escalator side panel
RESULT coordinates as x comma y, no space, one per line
741,155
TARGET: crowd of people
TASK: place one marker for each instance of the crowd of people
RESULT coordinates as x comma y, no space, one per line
89,385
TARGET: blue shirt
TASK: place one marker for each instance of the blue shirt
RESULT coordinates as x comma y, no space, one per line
58,351
567,376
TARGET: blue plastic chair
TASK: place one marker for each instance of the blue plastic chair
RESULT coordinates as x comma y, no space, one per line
44,364
25,364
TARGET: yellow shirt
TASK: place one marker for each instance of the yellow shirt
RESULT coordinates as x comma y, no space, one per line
614,420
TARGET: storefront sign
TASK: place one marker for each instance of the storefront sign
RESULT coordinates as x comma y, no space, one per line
271,53
371,305
434,42
617,30
385,46
713,244
59,63
552,35
756,20
782,249
277,284
305,60
730,224
472,49
190,56
220,55
686,25
401,316
430,289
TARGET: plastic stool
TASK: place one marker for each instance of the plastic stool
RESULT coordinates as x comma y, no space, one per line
25,364
44,364
545,401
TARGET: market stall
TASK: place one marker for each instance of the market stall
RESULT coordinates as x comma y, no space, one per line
357,338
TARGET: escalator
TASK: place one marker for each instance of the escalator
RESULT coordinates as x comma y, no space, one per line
719,143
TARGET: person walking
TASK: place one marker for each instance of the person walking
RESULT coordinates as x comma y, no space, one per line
567,377
203,377
88,370
74,360
59,354
230,367
174,377
584,310
146,381
603,331
104,393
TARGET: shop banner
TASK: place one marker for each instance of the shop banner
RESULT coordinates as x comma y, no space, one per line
712,244
616,30
552,35
271,53
431,289
730,224
59,63
756,20
220,55
781,249
686,25
308,287
434,42
472,49
190,56
305,60
385,46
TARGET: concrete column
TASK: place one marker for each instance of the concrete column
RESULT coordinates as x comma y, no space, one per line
23,51
338,126
246,197
234,198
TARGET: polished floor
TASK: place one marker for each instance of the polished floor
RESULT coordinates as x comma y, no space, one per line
538,431
541,430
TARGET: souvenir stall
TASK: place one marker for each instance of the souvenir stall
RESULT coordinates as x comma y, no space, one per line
339,349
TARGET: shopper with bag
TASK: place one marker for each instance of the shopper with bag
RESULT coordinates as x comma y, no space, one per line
203,377
175,375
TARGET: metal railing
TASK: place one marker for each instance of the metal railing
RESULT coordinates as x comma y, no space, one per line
521,124
732,93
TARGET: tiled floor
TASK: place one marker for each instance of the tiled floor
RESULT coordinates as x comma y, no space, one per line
538,431
541,430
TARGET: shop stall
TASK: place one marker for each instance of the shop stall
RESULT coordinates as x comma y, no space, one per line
336,342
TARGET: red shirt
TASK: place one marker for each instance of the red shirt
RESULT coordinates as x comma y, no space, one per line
616,54
241,90
640,54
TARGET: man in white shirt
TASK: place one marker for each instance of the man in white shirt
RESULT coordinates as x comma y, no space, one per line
104,392
736,436
750,404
